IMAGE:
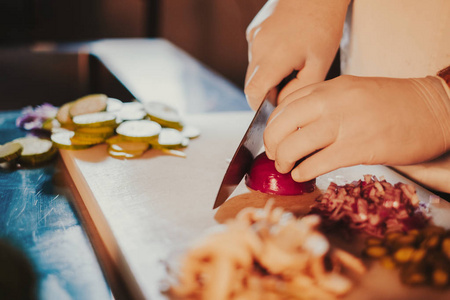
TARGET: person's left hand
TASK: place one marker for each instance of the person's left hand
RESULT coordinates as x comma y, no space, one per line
359,120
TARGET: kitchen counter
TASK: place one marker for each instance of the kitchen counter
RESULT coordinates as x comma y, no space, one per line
38,214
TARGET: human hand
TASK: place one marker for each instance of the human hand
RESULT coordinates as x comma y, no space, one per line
359,120
288,35
434,174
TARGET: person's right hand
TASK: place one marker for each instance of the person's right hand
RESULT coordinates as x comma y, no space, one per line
288,35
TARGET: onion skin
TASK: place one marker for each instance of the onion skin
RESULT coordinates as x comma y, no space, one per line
264,177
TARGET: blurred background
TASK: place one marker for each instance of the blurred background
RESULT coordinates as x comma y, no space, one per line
212,31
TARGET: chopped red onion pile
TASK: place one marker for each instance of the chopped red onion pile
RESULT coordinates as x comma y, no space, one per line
372,206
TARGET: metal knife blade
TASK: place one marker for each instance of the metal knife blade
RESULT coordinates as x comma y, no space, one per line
249,147
251,143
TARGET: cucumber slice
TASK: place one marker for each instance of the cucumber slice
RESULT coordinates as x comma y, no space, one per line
88,104
116,139
35,150
113,105
51,124
190,132
169,138
174,152
86,140
164,114
94,132
63,115
63,140
131,111
123,154
10,152
99,119
141,131
131,147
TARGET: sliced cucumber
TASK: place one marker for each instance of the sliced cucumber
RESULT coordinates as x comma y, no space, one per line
115,139
88,104
190,132
113,105
169,138
63,140
91,141
174,152
51,124
130,147
123,154
131,111
94,132
141,131
10,152
164,114
98,119
35,150
63,115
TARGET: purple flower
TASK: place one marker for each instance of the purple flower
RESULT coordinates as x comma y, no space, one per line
34,118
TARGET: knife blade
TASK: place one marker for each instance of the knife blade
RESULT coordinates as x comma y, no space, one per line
247,150
251,143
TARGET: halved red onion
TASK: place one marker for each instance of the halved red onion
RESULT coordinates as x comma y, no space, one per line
264,177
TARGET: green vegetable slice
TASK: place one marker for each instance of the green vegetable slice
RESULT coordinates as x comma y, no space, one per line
35,150
170,138
190,132
51,124
94,132
99,119
10,152
129,147
123,154
88,104
164,114
63,115
141,131
63,140
113,105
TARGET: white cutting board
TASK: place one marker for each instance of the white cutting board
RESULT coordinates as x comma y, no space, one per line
148,209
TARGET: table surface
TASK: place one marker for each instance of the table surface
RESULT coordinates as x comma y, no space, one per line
37,216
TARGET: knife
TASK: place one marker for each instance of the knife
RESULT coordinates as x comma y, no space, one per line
250,146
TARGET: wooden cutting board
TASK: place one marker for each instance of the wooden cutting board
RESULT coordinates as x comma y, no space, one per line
147,210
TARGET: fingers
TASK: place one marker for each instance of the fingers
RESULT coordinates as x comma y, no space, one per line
305,77
286,119
330,158
302,143
261,78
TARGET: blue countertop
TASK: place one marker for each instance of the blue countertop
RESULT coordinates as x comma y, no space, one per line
39,228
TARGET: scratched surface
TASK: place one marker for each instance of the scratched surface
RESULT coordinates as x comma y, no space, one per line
36,218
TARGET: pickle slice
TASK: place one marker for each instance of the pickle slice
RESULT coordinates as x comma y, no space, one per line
99,119
94,132
141,131
131,111
164,114
113,105
123,154
127,149
63,140
63,116
35,150
170,138
10,152
190,132
88,104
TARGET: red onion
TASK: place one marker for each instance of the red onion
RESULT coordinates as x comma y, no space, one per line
372,206
264,177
